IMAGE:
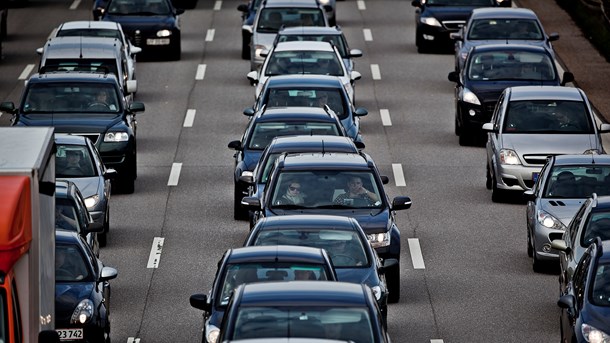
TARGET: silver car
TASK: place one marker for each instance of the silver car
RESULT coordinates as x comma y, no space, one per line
530,123
563,185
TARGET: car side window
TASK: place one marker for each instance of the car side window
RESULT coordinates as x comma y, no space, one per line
580,276
496,117
573,228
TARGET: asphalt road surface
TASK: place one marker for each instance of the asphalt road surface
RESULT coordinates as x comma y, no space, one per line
466,277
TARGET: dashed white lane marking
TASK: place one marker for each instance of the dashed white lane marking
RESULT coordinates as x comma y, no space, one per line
200,72
155,253
26,72
133,340
189,118
361,5
174,174
210,35
368,35
436,341
376,73
399,176
385,117
416,255
75,4
217,5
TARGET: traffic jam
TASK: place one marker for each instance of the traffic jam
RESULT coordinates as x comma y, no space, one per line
296,198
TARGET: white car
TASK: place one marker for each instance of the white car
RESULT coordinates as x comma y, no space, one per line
318,58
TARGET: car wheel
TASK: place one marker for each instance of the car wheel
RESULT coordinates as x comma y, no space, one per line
465,138
332,21
456,127
128,182
497,195
488,178
537,265
393,279
530,244
103,237
245,46
176,53
239,213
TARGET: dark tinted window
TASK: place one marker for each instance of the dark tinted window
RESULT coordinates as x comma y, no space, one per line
90,33
263,133
461,2
547,116
511,65
336,40
521,29
304,62
72,97
598,225
600,295
70,264
311,97
74,161
271,19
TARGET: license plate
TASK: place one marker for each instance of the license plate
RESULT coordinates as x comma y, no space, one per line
160,41
535,177
70,334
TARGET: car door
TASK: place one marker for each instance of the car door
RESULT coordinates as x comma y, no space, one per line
575,288
566,257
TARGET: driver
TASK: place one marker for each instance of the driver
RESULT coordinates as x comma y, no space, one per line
356,190
102,101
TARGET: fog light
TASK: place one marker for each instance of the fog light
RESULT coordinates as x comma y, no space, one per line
472,113
546,247
428,37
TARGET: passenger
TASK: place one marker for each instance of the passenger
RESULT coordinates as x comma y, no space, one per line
293,195
356,190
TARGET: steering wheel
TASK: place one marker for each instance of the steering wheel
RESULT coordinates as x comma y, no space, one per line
99,106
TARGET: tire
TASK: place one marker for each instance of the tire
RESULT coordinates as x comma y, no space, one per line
245,46
103,237
456,128
128,182
537,265
488,178
393,281
497,195
530,245
464,137
239,213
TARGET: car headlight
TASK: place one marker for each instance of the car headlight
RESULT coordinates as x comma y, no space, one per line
83,312
548,221
594,335
469,97
508,156
431,21
116,137
591,152
258,49
164,33
213,333
378,240
377,292
91,201
324,2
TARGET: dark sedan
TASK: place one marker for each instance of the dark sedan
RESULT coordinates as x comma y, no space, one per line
301,309
489,70
153,25
352,255
82,291
257,264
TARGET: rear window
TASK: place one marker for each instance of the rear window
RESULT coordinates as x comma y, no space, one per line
511,65
518,29
547,116
263,133
271,19
336,40
311,97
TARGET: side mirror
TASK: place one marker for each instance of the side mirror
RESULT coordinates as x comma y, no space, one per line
359,144
355,53
251,203
98,12
134,49
456,35
529,195
249,112
553,37
387,264
453,76
247,177
384,179
200,302
328,8
132,86
108,273
604,128
560,244
243,8
488,127
416,3
264,53
355,76
566,301
7,106
567,77
235,145
505,3
360,111
253,77
401,203
136,106
39,51
179,11
95,227
110,174
247,28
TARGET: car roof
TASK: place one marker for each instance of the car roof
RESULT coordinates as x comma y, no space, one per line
73,76
545,93
601,204
512,46
334,161
79,47
503,12
296,293
303,46
290,3
297,113
306,221
303,81
70,139
587,159
67,237
276,253
304,143
89,24
310,30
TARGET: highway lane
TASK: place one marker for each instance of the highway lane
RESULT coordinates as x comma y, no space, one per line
477,285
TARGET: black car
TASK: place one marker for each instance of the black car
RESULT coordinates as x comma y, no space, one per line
64,99
435,20
326,184
82,291
267,124
335,310
248,14
490,69
71,214
353,257
153,25
258,264
314,91
585,307
77,160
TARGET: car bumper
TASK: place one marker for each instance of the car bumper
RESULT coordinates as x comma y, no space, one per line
434,35
474,116
516,177
91,333
543,237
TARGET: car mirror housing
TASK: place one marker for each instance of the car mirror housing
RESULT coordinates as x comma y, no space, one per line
247,28
7,106
566,301
385,179
456,36
179,11
251,203
604,128
235,145
529,195
355,76
553,37
401,203
453,76
137,106
488,127
567,77
253,77
355,53
110,174
135,49
95,227
505,3
249,179
108,273
200,302
132,86
361,111
387,264
249,112
560,244
242,7
416,3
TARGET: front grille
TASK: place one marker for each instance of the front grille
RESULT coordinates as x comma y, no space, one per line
453,25
535,159
137,38
555,235
92,136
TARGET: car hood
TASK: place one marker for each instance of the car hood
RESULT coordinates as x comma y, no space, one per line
548,144
366,276
371,221
131,23
449,12
87,186
490,90
562,209
251,158
71,124
68,295
265,39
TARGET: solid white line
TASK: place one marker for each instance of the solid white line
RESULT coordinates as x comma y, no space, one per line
174,174
75,4
399,176
189,118
200,72
375,72
155,252
26,72
368,35
361,5
385,117
217,5
436,341
416,255
210,35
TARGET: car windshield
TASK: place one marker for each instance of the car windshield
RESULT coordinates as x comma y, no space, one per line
72,97
304,62
240,273
272,18
73,161
263,133
342,323
89,32
70,264
598,225
268,165
139,7
459,2
336,40
578,181
601,286
324,189
344,247
286,97
519,29
547,116
511,65
66,217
